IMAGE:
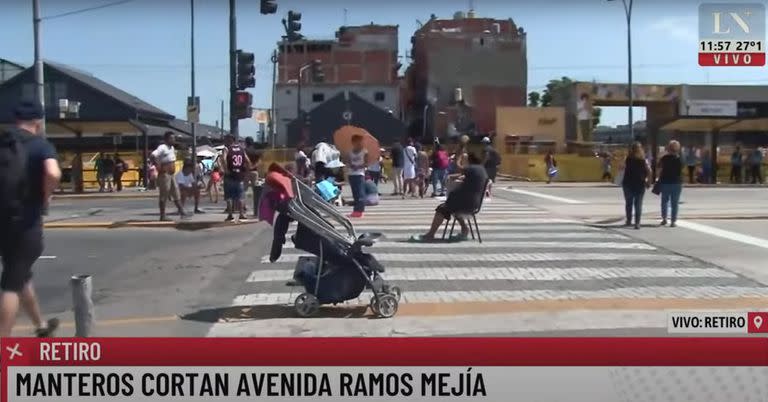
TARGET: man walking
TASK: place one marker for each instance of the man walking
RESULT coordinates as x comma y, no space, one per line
164,158
29,176
236,166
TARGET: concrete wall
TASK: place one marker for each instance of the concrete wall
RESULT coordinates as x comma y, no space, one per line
543,123
285,100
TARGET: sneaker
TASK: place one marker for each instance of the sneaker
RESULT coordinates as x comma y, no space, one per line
628,223
673,224
230,218
663,222
637,227
199,211
242,218
50,327
355,215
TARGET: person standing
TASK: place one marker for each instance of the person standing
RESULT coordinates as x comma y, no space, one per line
409,169
636,179
491,161
440,162
737,162
29,176
164,160
374,169
108,172
691,160
551,166
422,170
755,166
98,164
357,161
396,154
120,168
236,167
670,182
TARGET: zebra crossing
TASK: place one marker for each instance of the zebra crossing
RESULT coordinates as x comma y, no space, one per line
527,256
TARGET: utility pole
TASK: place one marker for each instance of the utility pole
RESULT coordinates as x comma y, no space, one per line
39,78
272,126
233,121
194,100
222,118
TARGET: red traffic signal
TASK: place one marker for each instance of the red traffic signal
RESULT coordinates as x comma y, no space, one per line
243,102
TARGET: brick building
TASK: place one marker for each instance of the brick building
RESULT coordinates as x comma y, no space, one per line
461,70
361,60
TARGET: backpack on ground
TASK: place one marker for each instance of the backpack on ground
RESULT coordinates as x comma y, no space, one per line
13,177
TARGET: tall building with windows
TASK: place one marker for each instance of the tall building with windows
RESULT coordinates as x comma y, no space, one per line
463,69
361,60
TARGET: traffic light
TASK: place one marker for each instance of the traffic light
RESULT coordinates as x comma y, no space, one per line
293,26
268,6
243,109
246,70
317,71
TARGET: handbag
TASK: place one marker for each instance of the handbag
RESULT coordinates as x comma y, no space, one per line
656,188
552,172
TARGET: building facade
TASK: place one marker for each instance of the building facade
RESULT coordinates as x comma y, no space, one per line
477,62
361,60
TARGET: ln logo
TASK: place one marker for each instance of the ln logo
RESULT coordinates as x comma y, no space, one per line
732,34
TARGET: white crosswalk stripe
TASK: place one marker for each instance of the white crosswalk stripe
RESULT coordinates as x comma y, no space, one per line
526,254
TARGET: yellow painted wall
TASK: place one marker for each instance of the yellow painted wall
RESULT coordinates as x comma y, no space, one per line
543,123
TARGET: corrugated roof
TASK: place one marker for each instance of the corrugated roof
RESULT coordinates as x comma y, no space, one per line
118,94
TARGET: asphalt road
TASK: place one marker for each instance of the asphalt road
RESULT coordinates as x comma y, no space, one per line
163,282
143,277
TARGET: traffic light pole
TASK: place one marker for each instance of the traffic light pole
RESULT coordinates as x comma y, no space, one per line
233,121
192,77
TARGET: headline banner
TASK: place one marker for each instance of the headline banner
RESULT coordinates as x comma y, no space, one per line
384,369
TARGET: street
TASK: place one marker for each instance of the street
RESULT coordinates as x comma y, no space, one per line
543,268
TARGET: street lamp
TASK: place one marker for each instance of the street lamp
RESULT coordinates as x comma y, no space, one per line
298,90
628,13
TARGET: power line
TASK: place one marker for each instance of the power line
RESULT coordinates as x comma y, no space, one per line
85,10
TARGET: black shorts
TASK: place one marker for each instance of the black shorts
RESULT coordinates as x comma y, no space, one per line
19,253
446,209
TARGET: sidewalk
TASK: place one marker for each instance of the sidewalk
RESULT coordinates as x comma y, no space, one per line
608,185
130,192
113,218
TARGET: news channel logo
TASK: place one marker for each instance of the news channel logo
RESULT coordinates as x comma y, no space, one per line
732,34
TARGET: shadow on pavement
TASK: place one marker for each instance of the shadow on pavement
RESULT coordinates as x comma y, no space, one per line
255,313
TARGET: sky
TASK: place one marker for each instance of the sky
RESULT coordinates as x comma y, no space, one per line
143,46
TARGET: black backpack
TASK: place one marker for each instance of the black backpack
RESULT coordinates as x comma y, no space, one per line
14,190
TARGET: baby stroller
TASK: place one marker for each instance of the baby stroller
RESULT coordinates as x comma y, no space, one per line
340,269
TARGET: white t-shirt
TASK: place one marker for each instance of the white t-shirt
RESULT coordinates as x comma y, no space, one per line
165,154
409,157
357,159
185,180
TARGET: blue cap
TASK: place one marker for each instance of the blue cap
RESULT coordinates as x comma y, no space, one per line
27,111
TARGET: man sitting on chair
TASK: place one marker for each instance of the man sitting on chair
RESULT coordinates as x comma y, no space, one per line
464,199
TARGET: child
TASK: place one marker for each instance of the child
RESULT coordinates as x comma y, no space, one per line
371,192
213,184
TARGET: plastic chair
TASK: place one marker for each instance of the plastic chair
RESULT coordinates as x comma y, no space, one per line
466,217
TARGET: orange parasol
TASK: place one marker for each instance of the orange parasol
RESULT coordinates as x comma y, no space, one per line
342,138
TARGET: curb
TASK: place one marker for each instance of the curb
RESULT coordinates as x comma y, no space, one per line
102,196
609,221
145,224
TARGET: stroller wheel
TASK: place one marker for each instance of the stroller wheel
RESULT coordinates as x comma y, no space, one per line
374,306
395,291
306,305
387,306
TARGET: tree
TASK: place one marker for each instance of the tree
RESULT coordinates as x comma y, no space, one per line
596,113
557,93
534,99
